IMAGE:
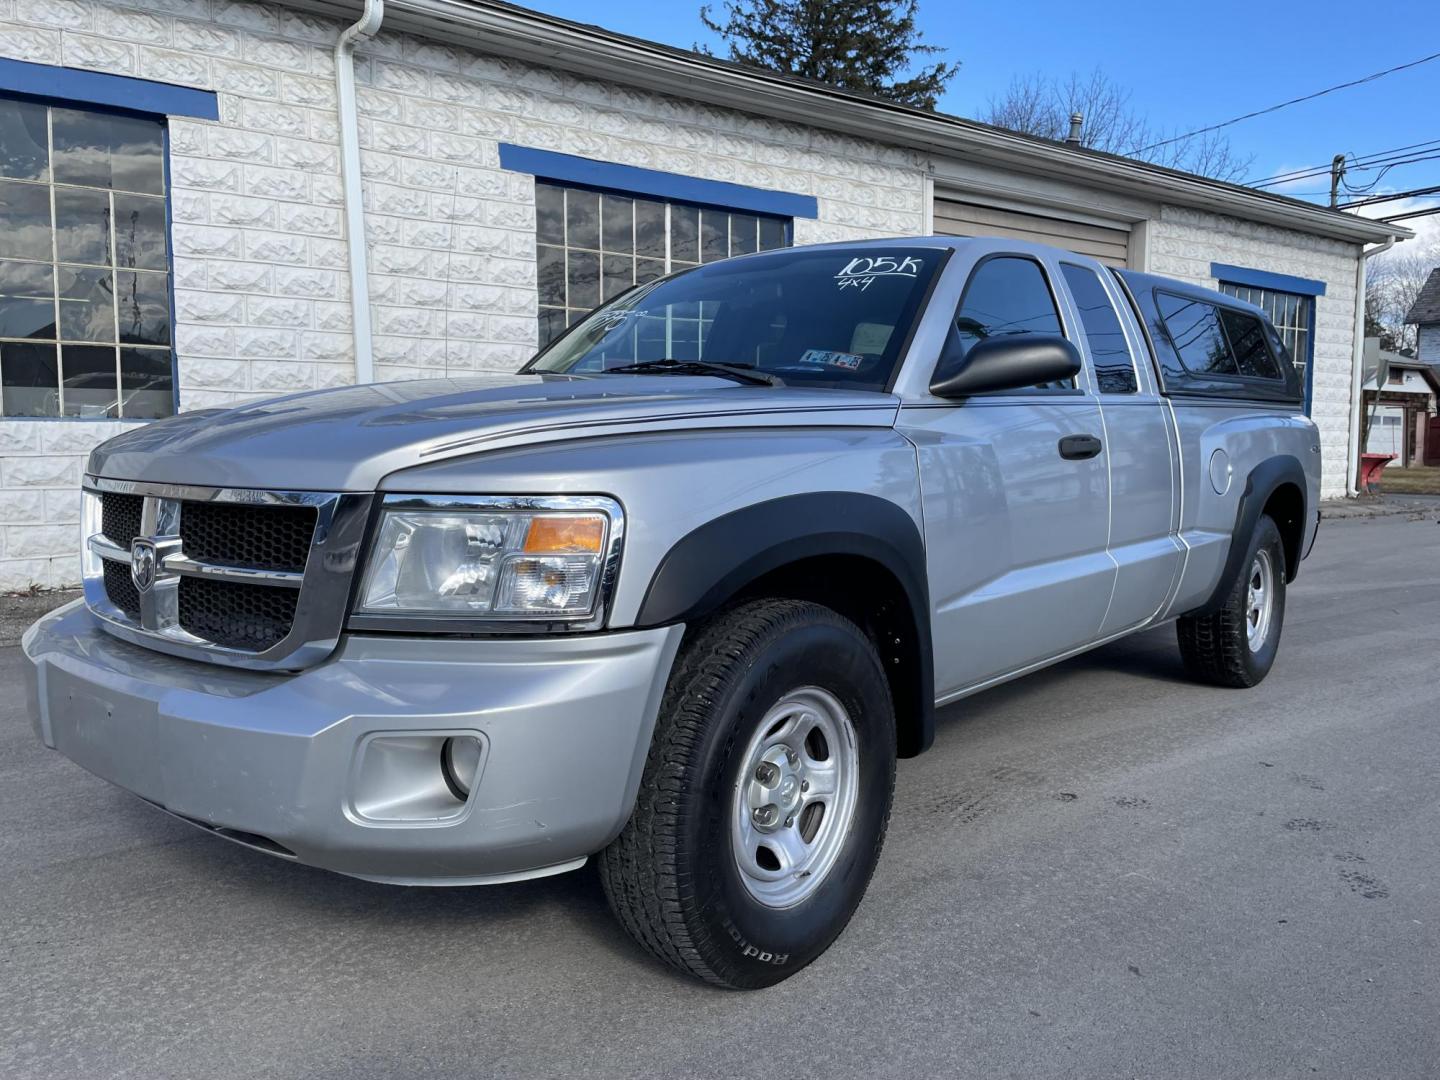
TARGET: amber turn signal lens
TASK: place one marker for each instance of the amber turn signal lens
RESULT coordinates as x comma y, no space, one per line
559,533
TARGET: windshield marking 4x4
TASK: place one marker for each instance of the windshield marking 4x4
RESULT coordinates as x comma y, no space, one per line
777,315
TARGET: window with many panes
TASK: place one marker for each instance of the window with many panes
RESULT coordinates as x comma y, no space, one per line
84,264
1289,312
592,246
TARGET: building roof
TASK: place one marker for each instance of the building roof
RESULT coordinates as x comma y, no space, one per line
501,29
1426,308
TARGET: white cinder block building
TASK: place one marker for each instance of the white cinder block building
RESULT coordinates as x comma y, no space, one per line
203,201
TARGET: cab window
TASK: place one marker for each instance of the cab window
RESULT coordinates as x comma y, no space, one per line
1109,351
1008,296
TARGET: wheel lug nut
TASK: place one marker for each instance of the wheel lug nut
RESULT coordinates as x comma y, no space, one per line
804,785
767,774
789,821
766,815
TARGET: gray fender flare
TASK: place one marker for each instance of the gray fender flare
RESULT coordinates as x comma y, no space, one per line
719,559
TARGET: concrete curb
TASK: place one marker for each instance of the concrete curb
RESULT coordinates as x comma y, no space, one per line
1415,508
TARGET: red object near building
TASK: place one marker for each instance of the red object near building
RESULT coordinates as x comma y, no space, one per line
1371,466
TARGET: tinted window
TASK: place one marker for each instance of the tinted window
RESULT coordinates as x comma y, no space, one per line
1007,296
1248,342
1193,327
1109,351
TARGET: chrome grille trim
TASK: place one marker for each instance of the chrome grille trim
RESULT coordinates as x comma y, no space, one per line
323,587
183,564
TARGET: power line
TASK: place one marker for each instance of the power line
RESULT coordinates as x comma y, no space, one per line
1412,193
1320,170
1292,101
1307,171
1383,164
1413,214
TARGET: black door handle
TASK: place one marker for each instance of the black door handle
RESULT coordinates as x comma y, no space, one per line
1079,447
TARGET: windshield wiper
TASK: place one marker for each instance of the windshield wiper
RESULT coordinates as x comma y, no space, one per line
746,373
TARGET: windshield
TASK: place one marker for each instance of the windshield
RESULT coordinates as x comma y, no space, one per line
827,317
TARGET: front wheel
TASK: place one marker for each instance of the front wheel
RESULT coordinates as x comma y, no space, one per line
765,796
1236,645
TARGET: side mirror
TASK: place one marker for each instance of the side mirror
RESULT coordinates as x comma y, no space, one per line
1005,363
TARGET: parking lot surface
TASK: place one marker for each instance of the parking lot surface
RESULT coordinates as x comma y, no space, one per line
1099,871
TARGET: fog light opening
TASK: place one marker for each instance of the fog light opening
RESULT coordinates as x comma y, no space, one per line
459,763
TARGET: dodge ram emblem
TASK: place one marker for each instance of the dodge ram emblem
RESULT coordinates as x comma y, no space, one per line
142,563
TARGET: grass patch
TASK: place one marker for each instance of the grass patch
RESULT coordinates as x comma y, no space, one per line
1417,480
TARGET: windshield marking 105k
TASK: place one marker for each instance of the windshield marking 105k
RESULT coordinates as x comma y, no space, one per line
773,317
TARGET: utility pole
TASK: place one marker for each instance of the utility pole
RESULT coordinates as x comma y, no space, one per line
1337,170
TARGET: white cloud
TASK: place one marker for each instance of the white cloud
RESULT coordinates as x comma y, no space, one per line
1427,229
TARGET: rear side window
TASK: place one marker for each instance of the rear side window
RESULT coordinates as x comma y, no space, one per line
1193,327
1006,296
1109,351
1250,344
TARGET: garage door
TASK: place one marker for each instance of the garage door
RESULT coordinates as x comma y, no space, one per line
1387,431
954,217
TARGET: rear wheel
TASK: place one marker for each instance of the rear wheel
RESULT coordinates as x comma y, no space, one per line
1236,645
765,796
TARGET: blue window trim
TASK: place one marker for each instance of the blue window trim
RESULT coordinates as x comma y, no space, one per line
631,180
1264,279
76,87
1286,283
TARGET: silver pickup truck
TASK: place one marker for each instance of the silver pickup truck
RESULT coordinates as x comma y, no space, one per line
679,593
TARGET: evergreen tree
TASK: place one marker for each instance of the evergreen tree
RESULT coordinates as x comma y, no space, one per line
860,45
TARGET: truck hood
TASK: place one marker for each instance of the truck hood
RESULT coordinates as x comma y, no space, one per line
350,439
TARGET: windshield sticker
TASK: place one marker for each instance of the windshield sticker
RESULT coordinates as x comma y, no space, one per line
871,338
862,271
828,358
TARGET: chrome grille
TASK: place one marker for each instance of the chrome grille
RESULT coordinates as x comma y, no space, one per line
265,537
121,518
120,589
249,578
234,615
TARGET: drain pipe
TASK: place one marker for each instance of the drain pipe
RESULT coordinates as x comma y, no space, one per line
1357,368
351,183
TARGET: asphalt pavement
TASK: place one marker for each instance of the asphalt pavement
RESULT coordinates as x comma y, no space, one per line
1099,871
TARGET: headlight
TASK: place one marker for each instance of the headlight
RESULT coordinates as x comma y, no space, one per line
492,558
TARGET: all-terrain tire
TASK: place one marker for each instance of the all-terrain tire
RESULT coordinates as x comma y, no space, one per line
1217,648
671,877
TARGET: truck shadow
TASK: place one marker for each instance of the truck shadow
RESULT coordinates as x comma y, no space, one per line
1152,656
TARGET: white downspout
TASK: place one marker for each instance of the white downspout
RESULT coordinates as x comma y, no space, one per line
351,183
1357,369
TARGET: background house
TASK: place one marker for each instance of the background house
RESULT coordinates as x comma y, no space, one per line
1402,411
1424,315
179,228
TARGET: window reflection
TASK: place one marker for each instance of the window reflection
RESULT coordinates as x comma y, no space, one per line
82,225
592,246
29,379
84,264
25,221
24,144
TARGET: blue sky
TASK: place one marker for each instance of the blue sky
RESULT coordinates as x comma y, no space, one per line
1187,66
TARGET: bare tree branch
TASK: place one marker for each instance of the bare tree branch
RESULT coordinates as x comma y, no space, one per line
1041,105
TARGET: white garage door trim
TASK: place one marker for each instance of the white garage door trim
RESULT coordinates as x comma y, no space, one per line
1107,240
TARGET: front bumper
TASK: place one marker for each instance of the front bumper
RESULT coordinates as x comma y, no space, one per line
282,761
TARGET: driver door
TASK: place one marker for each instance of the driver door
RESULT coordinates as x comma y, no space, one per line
1015,491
